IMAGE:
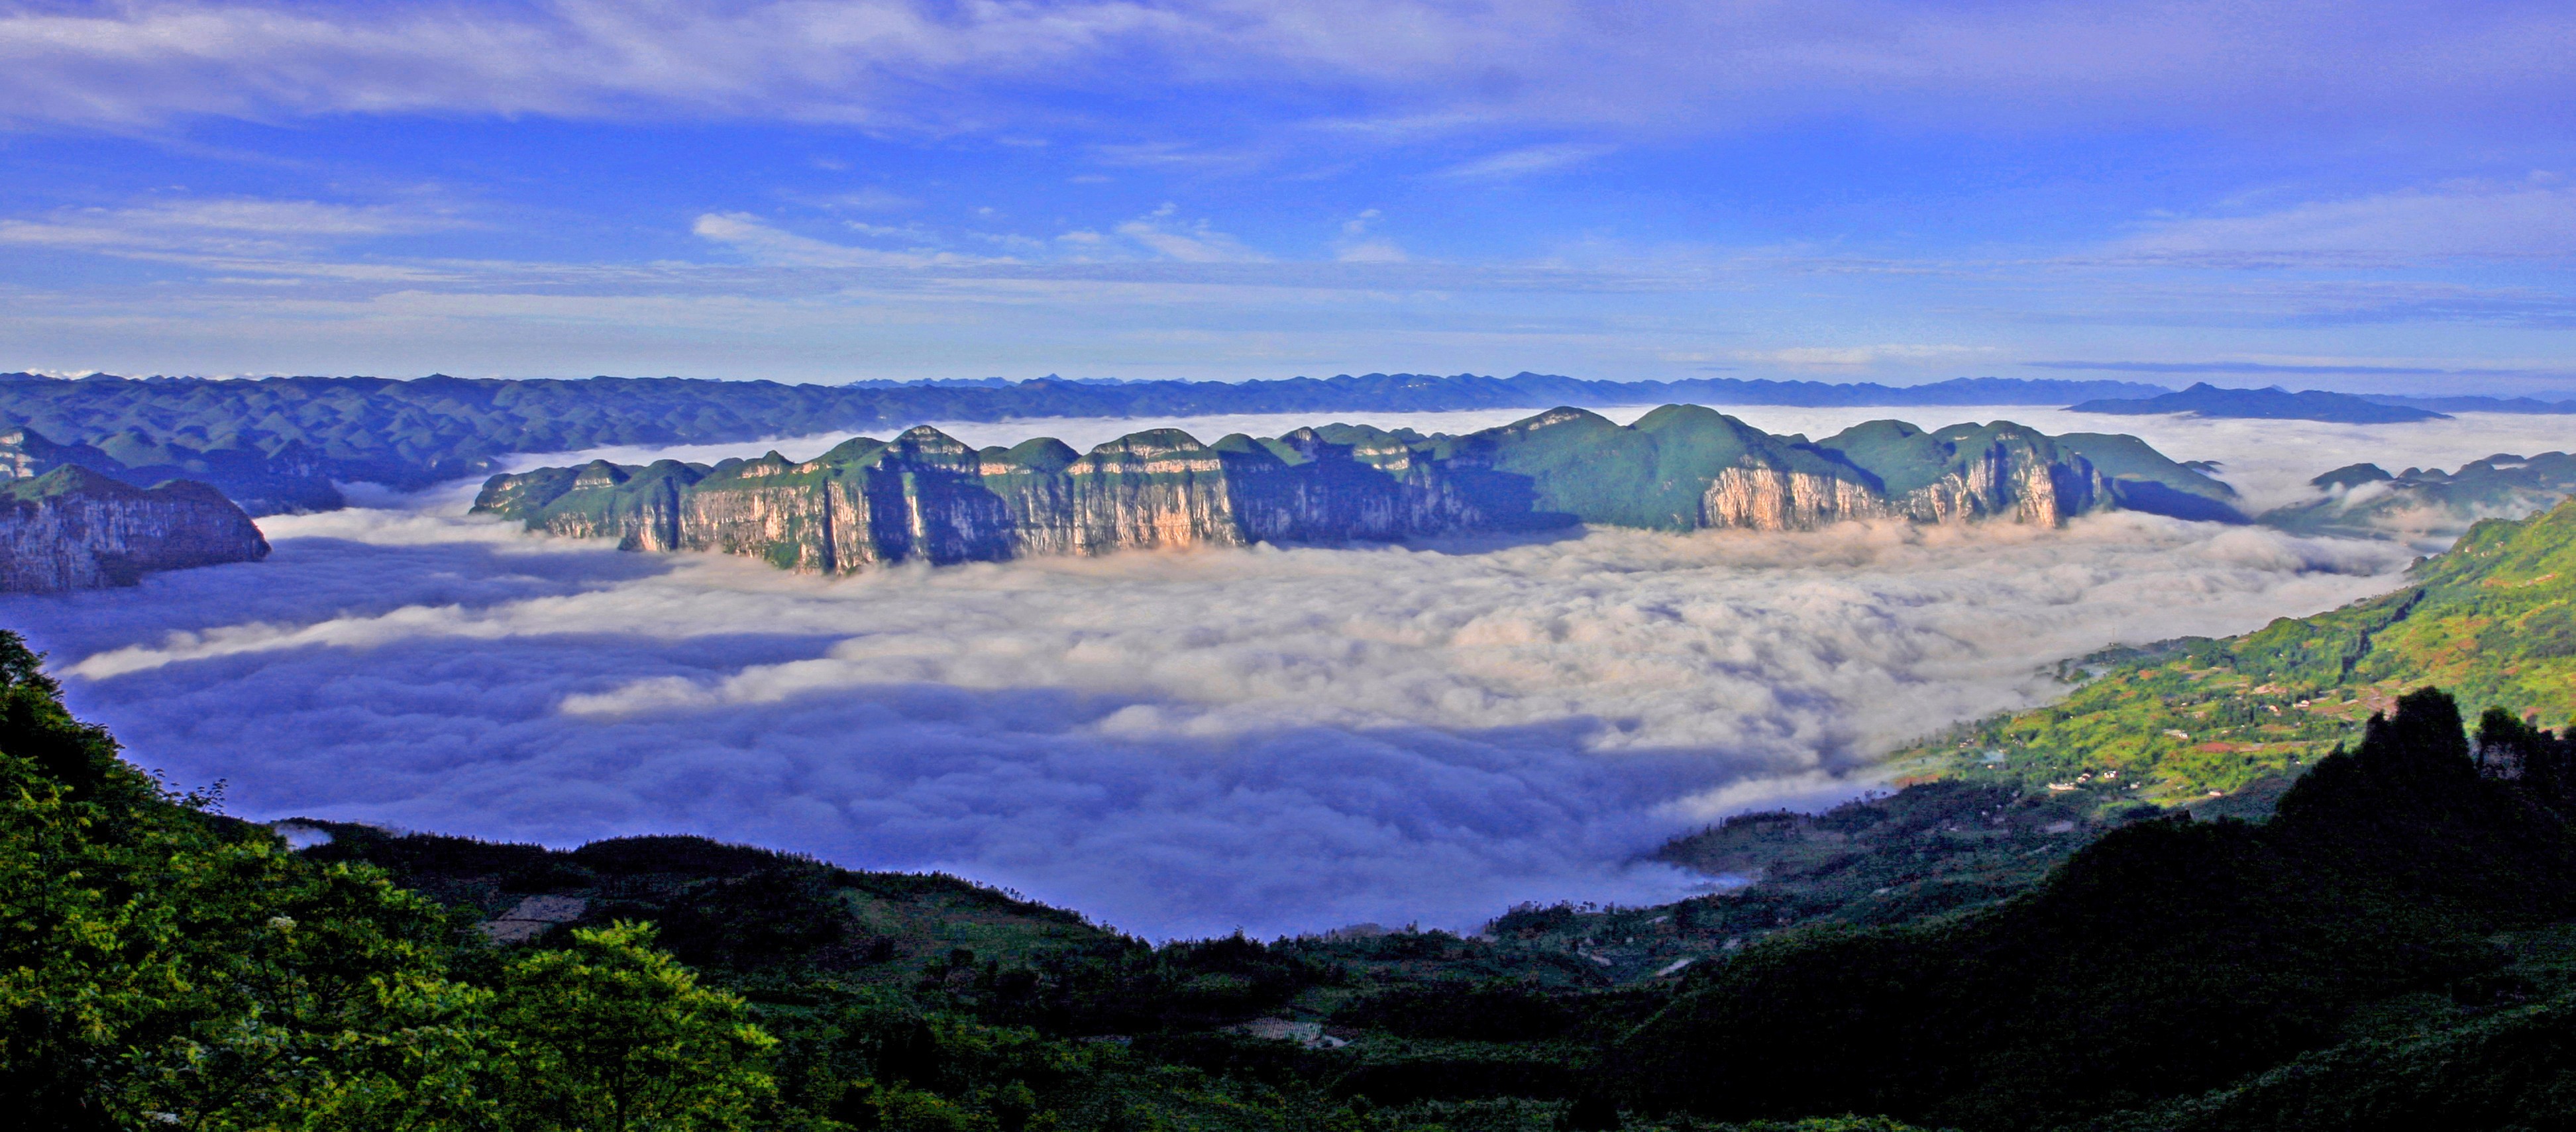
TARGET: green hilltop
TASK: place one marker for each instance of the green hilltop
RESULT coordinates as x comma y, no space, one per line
926,496
2493,620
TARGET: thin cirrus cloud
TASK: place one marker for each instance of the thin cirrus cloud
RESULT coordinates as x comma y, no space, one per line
219,226
1160,234
1361,244
1833,357
1273,739
1523,162
1163,233
892,61
2531,219
768,244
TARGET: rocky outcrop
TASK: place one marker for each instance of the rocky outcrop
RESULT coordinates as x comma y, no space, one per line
2010,482
1775,499
73,528
2016,486
925,496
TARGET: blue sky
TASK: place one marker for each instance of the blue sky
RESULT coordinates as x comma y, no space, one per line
2352,195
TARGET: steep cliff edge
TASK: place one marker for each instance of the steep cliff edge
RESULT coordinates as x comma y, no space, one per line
290,479
74,528
927,496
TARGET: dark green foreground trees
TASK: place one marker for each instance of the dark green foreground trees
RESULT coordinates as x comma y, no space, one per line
2402,915
161,966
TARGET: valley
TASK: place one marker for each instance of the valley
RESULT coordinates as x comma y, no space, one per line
2016,931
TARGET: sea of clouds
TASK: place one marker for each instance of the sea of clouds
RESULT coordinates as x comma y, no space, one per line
1277,739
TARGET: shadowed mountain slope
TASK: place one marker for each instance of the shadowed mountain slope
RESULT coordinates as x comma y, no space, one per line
73,528
2169,956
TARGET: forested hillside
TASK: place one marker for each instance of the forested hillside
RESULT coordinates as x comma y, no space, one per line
2493,620
2395,947
2398,893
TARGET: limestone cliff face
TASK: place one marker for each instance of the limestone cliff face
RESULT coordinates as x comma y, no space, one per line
1777,499
76,529
925,496
2012,482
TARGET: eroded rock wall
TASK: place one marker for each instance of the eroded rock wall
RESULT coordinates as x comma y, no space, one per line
1775,499
927,497
97,532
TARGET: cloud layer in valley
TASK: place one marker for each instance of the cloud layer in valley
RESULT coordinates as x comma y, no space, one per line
1275,739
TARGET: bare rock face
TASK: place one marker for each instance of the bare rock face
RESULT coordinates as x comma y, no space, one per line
924,496
2010,482
2014,476
1776,499
73,528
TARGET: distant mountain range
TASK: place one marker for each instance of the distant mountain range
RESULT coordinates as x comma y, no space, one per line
2276,403
284,444
925,496
2206,400
280,444
2365,499
2522,405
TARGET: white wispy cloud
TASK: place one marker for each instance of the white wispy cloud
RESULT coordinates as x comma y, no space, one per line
2531,218
1360,243
765,243
869,200
1195,241
1523,161
230,227
1847,356
1652,68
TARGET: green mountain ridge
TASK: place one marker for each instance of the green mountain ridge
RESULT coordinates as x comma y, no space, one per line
926,496
282,444
2493,620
